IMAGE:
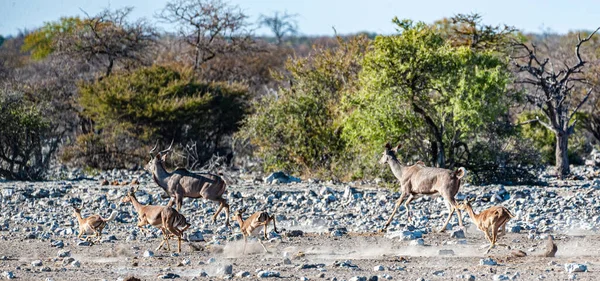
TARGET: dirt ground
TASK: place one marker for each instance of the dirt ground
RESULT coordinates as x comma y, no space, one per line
320,254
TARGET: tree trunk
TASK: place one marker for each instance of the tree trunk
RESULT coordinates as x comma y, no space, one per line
441,159
562,157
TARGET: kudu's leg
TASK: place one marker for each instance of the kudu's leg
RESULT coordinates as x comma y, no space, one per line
398,203
222,204
408,213
451,212
452,207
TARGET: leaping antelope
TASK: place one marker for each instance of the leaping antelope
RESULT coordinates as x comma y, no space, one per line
489,220
163,217
93,224
253,225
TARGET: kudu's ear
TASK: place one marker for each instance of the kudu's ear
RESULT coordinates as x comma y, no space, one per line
388,146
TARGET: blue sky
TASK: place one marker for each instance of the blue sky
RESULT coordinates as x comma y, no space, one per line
317,17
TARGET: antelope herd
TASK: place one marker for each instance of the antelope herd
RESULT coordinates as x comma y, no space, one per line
415,180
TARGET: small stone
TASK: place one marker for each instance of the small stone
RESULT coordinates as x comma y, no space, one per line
487,261
417,242
518,253
148,254
169,276
186,262
211,260
515,229
575,267
36,263
196,237
459,234
446,252
469,277
225,270
336,233
84,243
57,243
358,278
294,233
76,264
439,273
8,274
500,277
242,274
68,260
64,253
267,273
379,268
287,261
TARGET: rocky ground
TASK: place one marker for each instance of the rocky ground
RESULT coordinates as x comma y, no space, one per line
328,232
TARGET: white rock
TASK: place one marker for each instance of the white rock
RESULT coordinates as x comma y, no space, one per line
378,268
148,254
487,261
36,263
242,274
268,273
575,267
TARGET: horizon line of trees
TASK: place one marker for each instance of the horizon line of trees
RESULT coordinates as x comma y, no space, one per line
99,91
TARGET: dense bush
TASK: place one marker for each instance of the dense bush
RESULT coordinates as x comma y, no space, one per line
25,152
298,128
155,103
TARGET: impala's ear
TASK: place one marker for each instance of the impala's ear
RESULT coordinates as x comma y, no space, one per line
397,147
388,146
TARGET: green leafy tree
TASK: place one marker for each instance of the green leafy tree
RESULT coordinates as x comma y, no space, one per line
158,103
41,42
416,83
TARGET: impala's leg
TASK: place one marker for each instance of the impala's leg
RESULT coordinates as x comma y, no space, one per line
179,201
266,225
398,202
166,239
504,228
179,244
274,226
163,240
263,245
245,242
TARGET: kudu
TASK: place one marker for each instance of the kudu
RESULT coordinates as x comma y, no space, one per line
93,224
420,180
164,218
489,221
182,183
